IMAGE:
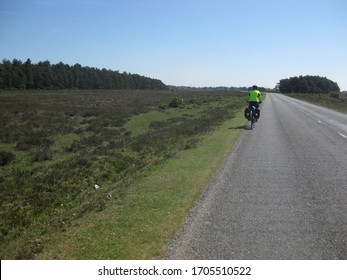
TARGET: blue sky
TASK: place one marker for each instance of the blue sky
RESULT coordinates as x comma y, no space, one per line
183,42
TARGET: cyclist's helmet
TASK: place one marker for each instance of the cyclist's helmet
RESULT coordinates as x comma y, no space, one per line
255,87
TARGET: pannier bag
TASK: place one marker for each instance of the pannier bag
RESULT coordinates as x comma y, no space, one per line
257,113
247,113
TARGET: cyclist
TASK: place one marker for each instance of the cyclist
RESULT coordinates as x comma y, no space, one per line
254,99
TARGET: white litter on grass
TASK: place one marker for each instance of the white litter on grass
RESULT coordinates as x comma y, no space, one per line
96,186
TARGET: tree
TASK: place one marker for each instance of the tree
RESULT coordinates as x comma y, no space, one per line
7,74
307,84
45,75
18,75
29,73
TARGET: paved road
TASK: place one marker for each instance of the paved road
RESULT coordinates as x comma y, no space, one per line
281,193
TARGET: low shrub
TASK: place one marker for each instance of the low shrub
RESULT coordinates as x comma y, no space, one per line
42,154
176,102
335,95
6,157
33,140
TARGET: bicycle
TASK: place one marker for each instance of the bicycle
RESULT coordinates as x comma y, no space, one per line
252,114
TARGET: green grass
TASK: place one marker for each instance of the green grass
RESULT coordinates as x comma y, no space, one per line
140,124
333,101
62,141
154,206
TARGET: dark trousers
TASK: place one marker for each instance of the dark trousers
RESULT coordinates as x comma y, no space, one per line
252,103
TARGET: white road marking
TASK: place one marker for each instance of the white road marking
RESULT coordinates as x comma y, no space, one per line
344,136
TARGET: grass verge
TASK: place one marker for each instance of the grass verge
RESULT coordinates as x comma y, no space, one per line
140,225
334,101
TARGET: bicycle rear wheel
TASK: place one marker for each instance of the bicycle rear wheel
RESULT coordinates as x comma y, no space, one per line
252,118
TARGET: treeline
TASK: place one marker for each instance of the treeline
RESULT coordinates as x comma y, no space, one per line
220,88
307,84
44,75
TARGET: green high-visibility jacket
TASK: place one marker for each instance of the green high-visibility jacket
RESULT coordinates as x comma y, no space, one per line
254,95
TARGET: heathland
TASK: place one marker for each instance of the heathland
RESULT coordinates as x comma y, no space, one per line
334,100
106,174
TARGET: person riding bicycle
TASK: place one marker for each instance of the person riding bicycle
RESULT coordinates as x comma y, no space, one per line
254,99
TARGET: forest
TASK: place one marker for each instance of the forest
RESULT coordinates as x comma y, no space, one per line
307,84
44,75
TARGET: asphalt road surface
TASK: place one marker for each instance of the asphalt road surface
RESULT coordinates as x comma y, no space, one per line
280,194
